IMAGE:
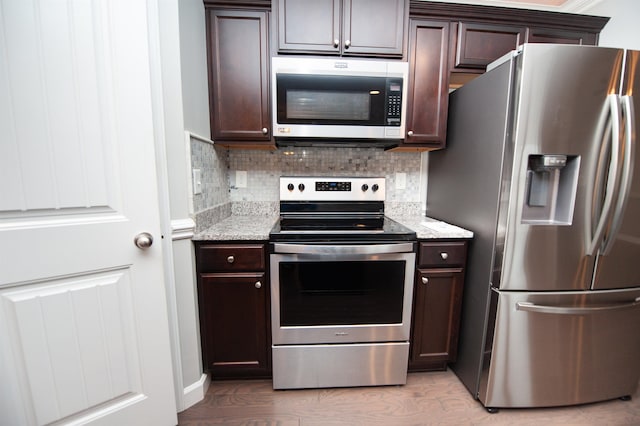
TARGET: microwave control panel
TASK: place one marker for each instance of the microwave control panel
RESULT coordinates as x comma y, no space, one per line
394,101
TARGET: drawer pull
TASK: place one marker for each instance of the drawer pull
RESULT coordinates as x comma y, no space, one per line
444,255
231,259
425,280
258,284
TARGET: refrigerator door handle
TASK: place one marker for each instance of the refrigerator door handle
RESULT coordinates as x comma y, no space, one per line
594,238
627,174
571,310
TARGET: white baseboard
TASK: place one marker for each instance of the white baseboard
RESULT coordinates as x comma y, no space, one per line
195,392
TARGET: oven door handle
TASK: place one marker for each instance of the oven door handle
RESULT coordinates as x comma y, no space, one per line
343,249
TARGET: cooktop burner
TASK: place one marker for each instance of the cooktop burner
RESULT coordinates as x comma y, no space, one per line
335,209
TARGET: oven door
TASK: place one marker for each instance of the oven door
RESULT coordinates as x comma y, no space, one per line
341,293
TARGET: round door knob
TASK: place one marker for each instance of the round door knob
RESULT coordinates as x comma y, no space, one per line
347,44
258,284
444,255
410,133
425,280
231,259
265,130
336,43
143,240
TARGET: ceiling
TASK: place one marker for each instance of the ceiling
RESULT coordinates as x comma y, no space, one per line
572,6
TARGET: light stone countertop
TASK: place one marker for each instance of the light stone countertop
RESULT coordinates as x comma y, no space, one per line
427,228
236,227
253,227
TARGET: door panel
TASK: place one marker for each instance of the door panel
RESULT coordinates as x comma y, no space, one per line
558,116
83,321
78,341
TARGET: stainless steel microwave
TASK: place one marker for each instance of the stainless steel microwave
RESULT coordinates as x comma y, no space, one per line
338,99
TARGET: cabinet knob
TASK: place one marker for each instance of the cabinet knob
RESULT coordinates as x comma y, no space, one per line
410,133
347,44
336,43
444,255
258,284
231,259
265,130
425,280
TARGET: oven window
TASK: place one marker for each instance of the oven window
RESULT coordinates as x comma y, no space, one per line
341,293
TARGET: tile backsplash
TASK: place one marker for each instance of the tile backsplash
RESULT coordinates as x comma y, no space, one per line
256,192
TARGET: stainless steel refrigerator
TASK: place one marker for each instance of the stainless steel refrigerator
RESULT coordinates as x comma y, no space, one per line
541,165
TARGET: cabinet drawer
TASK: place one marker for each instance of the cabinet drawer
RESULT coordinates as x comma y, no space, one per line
441,254
231,257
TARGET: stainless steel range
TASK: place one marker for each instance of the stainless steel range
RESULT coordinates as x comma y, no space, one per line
341,285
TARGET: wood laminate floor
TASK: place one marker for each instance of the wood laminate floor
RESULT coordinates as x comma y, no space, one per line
436,398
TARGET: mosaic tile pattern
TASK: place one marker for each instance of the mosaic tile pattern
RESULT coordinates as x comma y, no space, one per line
221,196
213,161
264,169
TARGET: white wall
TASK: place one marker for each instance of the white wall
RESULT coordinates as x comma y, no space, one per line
623,29
184,107
193,55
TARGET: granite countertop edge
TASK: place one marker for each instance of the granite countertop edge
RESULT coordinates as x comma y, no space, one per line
256,228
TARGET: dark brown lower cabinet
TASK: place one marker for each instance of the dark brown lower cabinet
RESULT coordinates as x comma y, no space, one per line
234,313
436,307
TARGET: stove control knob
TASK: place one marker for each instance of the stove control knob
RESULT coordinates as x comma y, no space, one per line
290,187
301,187
365,187
375,187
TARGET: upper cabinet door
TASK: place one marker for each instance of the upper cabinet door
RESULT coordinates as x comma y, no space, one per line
238,76
342,27
312,26
428,94
374,27
480,44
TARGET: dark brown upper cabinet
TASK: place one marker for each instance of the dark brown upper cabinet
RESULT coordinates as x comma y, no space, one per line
238,66
428,94
482,34
342,27
480,44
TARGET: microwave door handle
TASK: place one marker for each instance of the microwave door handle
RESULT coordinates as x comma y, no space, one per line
594,238
628,151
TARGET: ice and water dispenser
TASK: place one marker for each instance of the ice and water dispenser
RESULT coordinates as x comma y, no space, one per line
551,187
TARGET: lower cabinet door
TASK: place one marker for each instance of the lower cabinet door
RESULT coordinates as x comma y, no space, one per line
234,324
436,318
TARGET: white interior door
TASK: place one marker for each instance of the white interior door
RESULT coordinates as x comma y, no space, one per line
83,323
